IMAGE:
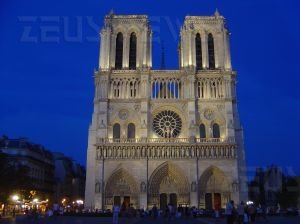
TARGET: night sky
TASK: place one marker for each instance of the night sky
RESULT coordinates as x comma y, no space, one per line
49,49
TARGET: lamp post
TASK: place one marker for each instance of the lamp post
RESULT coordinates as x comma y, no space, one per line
15,199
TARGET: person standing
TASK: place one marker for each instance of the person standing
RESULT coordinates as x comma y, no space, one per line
241,212
229,212
116,211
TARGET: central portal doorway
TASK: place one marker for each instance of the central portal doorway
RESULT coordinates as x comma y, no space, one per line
165,199
124,202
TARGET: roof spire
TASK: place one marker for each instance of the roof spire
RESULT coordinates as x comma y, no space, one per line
217,14
162,66
111,12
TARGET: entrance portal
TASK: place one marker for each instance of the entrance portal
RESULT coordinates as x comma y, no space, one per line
117,200
163,201
217,201
173,200
126,201
208,201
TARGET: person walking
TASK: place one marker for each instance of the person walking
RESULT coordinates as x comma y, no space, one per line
116,211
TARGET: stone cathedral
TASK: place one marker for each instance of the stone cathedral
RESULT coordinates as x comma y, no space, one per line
165,136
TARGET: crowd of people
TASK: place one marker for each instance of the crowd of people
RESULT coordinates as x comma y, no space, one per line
243,213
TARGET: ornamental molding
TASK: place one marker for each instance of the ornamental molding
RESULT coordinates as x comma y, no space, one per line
128,152
209,114
123,114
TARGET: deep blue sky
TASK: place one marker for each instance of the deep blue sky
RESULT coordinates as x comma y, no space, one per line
47,85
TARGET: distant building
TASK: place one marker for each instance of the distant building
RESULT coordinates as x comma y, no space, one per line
53,175
69,178
266,185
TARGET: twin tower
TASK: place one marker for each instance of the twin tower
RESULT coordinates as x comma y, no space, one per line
126,43
165,136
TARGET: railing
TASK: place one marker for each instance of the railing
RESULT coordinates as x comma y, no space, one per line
166,140
163,151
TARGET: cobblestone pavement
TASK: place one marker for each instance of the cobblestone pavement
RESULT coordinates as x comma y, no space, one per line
86,220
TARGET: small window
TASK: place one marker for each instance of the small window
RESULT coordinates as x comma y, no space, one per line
216,131
131,131
202,131
116,131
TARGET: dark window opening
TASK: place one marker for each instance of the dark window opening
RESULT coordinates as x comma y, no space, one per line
119,51
198,52
132,52
211,51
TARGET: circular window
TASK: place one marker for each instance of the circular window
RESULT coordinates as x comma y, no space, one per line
167,124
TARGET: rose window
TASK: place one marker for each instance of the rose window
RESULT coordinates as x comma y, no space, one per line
167,124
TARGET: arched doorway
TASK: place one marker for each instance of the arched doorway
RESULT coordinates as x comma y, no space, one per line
121,189
168,184
214,189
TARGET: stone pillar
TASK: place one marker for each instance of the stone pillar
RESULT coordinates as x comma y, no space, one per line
204,50
227,60
112,55
126,41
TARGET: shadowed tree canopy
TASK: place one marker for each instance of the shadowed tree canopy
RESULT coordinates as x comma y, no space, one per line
14,178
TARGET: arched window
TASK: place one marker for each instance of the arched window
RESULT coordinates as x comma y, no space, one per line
131,131
116,131
202,131
132,52
216,131
198,52
119,51
211,51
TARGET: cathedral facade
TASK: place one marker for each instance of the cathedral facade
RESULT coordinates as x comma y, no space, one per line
165,136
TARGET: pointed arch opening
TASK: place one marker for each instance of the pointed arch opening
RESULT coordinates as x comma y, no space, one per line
119,51
131,131
216,131
121,187
116,131
168,179
132,51
202,131
198,52
211,51
214,188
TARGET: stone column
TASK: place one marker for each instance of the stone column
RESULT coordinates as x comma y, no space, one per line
204,48
126,40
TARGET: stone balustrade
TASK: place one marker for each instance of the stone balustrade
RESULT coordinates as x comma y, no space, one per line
165,140
166,151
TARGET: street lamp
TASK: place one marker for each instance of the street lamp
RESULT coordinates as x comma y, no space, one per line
15,198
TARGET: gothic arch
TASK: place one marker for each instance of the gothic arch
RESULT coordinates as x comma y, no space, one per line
169,178
119,50
132,51
214,181
211,51
121,183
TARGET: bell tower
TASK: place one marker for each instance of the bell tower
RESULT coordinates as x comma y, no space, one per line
125,42
205,43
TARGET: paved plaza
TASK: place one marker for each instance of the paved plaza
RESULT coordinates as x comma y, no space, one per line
97,220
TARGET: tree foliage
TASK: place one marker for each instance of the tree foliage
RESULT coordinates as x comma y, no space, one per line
14,178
